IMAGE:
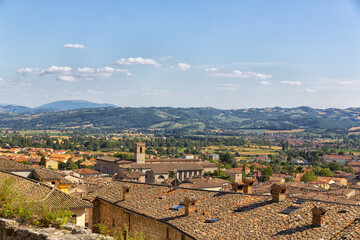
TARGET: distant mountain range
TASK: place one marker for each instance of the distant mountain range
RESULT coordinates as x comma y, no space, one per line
72,105
53,106
178,120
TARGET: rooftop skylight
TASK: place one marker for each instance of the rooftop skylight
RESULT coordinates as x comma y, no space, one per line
289,210
177,207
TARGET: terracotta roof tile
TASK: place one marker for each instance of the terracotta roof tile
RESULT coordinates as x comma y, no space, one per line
7,165
44,194
241,216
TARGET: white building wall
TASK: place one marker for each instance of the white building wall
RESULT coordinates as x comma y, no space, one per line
80,216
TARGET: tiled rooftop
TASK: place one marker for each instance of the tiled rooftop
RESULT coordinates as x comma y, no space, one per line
48,175
241,216
351,231
129,175
84,171
201,182
35,191
7,165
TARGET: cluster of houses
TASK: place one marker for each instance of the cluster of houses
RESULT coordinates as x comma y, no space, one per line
171,199
167,212
32,156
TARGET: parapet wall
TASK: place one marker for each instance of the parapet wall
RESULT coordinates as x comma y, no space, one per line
12,229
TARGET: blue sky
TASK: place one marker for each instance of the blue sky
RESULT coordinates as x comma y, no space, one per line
223,54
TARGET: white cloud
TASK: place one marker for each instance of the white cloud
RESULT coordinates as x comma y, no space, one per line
165,58
266,83
310,90
138,61
77,46
57,70
50,70
228,87
95,92
70,75
29,71
344,83
66,78
239,74
184,66
212,69
291,83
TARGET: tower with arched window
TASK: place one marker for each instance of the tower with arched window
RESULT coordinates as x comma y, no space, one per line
139,152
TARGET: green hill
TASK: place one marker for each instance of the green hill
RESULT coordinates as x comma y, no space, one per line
186,119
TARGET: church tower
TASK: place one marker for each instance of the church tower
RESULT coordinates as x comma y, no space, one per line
139,152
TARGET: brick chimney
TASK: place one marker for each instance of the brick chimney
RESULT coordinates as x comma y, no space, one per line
190,205
237,187
248,185
318,219
126,191
278,192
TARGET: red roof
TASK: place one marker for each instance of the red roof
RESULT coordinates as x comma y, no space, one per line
336,157
354,163
84,171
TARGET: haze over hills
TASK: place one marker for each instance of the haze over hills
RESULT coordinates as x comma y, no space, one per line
53,106
72,104
186,119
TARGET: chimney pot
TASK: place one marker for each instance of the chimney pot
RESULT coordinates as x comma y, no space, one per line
318,216
126,191
190,205
238,187
248,185
278,192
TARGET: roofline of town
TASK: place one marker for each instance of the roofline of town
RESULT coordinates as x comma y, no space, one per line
238,193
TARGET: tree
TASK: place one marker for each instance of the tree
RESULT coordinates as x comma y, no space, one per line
267,171
252,168
349,169
243,174
62,165
326,172
226,158
172,174
43,161
300,169
289,179
308,177
334,166
219,174
71,165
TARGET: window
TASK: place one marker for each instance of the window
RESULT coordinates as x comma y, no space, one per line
73,218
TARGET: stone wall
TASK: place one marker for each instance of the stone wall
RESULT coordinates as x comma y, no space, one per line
13,230
107,167
115,218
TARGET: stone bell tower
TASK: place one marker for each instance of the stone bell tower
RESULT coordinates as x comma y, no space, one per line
139,152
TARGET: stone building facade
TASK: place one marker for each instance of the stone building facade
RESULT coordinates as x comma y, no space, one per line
116,219
155,170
